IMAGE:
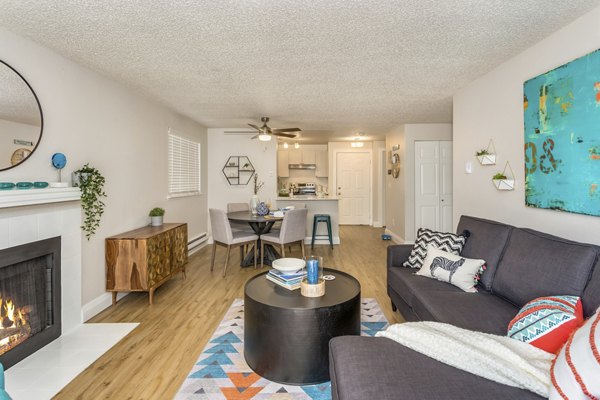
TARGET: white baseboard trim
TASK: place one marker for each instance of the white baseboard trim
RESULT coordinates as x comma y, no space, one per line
199,247
395,238
377,224
98,305
308,239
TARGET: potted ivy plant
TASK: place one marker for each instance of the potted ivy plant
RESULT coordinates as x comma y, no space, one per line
156,216
91,182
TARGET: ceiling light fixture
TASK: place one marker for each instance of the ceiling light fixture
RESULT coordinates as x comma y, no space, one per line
285,145
264,137
296,145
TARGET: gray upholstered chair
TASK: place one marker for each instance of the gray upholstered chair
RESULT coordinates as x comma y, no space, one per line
224,236
293,229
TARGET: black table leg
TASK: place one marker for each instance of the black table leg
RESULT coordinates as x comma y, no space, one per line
270,253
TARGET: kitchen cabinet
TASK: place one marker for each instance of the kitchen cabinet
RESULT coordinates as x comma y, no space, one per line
295,157
283,161
322,170
309,157
302,157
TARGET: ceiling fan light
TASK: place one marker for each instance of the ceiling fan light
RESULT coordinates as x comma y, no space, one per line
285,145
264,137
296,145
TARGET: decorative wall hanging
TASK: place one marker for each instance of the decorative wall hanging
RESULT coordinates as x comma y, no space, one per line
487,156
238,170
562,137
502,181
395,164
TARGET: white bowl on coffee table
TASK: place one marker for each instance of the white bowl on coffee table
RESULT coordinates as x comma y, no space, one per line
288,264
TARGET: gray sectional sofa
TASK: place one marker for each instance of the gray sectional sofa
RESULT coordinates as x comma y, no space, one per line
522,264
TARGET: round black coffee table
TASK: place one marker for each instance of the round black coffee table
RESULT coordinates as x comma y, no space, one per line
286,335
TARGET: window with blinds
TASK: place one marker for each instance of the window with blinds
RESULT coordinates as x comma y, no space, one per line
184,166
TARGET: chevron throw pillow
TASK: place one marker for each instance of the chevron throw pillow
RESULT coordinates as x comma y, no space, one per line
547,322
444,241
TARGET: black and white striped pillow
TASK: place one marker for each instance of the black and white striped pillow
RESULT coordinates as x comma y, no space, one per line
449,242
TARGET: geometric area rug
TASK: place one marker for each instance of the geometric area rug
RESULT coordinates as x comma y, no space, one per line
221,372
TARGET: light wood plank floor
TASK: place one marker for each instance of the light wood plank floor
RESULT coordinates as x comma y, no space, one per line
154,359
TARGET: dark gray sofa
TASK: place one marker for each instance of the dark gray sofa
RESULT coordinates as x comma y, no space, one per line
522,264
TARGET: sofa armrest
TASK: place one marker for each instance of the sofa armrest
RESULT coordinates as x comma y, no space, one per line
397,254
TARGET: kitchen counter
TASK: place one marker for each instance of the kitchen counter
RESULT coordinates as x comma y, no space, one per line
307,198
326,205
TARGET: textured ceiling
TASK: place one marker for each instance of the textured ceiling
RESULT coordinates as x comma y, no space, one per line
335,66
17,103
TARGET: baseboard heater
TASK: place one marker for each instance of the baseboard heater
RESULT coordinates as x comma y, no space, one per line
197,241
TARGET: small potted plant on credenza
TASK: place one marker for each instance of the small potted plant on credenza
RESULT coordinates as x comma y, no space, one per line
156,216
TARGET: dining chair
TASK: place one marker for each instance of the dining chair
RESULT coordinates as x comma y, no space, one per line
224,236
240,226
293,229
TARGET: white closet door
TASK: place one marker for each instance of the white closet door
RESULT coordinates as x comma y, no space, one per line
427,185
446,186
433,185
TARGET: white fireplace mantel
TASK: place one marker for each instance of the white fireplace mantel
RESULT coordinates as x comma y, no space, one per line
27,197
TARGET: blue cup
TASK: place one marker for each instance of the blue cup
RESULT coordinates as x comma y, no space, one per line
312,271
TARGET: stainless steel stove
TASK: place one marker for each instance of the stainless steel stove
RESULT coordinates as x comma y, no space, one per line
309,188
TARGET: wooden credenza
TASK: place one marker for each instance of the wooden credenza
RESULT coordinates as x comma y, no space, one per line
143,259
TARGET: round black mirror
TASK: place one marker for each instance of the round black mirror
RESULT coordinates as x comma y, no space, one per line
21,120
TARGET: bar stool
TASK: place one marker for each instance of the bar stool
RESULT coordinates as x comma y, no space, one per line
321,218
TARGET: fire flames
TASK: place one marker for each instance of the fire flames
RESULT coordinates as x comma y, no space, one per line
14,328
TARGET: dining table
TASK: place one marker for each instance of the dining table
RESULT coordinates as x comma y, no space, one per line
260,224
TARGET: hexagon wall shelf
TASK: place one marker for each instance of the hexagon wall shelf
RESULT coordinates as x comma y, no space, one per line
238,170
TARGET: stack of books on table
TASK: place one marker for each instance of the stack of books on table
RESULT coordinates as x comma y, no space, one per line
288,280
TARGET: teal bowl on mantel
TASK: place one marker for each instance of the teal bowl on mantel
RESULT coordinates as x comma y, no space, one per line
40,185
6,185
24,185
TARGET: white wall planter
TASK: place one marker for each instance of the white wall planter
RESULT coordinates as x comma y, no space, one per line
504,184
487,159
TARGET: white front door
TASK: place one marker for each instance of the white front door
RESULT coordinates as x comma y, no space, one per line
433,185
353,187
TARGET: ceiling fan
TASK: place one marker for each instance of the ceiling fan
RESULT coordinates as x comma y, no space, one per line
265,133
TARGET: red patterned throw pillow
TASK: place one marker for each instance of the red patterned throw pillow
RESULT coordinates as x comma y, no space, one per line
547,322
575,373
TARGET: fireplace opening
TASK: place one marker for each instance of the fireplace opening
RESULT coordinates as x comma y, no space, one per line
29,299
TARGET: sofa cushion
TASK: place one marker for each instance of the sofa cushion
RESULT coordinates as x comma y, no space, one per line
591,294
379,368
404,282
487,241
446,267
443,240
575,372
482,312
547,322
535,264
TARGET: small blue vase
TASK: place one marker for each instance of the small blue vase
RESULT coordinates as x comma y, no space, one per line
262,209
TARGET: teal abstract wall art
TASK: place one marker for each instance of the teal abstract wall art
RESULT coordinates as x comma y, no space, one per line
562,137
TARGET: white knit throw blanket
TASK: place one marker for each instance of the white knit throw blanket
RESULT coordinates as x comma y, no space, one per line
497,358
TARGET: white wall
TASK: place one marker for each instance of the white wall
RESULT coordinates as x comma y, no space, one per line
93,119
492,107
262,155
9,131
400,214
